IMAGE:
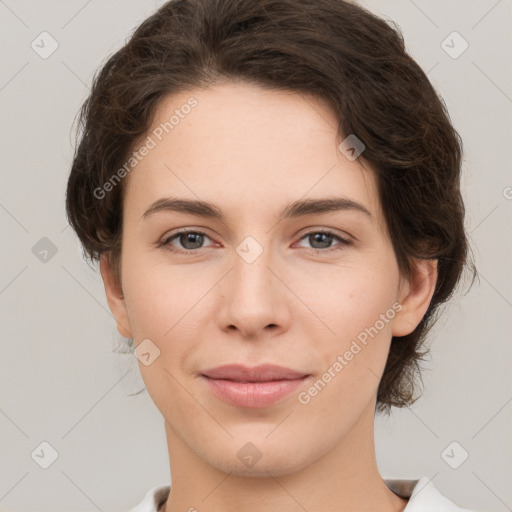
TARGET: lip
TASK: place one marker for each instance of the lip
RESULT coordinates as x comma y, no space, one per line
261,373
260,386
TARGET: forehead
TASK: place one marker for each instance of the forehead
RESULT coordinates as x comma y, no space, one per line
247,149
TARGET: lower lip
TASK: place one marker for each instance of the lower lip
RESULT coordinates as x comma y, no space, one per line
252,394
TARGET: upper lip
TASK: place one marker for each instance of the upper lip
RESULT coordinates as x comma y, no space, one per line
261,373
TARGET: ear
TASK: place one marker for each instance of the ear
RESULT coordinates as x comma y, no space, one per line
415,297
115,297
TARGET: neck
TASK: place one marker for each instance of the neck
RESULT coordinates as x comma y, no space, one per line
344,479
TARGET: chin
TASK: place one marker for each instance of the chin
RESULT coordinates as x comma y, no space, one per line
249,461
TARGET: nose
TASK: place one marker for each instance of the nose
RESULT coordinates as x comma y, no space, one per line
254,300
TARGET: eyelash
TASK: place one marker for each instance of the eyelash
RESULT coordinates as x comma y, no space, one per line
166,243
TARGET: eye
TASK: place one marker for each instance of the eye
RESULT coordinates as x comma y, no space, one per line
190,241
322,239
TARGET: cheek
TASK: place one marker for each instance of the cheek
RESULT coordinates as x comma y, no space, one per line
367,312
158,296
344,300
355,306
351,361
162,305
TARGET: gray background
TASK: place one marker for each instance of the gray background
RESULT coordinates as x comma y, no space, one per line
62,382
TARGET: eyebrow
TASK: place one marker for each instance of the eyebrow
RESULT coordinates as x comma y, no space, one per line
296,209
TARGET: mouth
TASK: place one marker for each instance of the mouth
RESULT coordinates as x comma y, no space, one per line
253,388
261,373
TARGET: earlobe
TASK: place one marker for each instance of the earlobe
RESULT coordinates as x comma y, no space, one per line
115,297
415,297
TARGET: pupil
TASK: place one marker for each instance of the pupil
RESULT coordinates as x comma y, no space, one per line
189,237
325,242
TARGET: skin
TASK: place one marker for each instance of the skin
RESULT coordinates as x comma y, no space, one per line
251,152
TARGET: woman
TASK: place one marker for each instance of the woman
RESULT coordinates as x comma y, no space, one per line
272,191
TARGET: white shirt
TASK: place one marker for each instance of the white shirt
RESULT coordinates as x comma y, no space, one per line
423,497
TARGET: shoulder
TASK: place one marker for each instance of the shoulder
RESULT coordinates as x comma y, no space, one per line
153,499
423,495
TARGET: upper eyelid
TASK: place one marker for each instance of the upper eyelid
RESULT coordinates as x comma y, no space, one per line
306,231
183,231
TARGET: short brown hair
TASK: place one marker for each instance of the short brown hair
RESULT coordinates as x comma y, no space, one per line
333,49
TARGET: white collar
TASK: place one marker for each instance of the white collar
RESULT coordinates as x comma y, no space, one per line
422,495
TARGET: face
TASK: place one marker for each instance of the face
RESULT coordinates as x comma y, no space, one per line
317,291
